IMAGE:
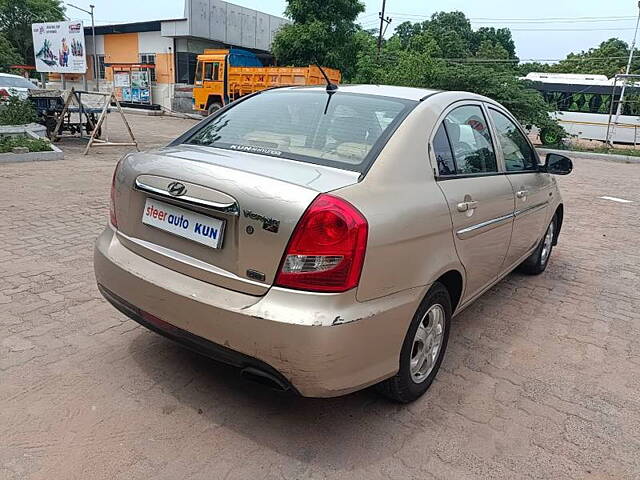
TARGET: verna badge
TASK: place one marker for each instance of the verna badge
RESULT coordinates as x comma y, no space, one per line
176,189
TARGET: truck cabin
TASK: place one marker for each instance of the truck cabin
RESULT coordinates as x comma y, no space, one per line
209,88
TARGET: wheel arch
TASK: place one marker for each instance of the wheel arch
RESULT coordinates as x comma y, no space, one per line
559,214
453,281
212,98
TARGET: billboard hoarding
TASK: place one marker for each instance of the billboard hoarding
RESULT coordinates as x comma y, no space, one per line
59,47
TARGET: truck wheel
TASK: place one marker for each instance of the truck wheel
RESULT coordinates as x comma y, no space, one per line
548,137
423,348
214,107
50,123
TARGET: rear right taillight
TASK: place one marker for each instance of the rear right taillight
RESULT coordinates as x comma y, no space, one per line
112,200
327,248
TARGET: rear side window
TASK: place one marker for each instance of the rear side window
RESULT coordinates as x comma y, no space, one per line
470,141
442,150
339,130
518,154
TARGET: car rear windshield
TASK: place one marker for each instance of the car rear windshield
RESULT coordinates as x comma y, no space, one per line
341,130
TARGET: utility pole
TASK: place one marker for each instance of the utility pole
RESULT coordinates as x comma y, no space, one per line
383,20
624,82
96,73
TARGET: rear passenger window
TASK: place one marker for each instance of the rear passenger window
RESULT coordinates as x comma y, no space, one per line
444,156
470,141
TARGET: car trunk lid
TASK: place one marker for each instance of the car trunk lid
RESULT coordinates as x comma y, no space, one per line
256,201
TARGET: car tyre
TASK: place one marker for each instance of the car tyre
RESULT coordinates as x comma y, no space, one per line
537,262
433,318
214,107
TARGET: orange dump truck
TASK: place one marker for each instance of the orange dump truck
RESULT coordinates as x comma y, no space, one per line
218,83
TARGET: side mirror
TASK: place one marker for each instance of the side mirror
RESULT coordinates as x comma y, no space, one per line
558,164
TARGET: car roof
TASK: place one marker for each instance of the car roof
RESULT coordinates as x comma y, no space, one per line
444,97
406,93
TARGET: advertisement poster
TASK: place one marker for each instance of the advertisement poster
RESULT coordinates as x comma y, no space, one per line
135,94
126,94
121,79
59,47
140,79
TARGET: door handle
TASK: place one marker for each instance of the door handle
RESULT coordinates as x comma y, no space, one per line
466,206
522,193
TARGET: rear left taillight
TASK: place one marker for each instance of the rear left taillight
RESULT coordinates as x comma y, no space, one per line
4,93
327,248
112,201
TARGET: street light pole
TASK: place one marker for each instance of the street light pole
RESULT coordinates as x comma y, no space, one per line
624,83
96,72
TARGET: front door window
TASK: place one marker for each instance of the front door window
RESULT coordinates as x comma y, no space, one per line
518,154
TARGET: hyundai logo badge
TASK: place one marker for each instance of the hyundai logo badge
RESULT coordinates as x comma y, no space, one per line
176,189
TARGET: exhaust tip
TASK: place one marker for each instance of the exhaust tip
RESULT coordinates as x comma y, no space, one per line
264,378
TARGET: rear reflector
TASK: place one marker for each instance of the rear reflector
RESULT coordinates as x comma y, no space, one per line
156,321
327,248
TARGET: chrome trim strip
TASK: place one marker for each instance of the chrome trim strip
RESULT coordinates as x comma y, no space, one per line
473,230
531,209
227,208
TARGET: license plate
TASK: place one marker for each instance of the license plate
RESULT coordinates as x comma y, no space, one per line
184,223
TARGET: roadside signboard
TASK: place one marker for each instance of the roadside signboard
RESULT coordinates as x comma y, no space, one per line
131,82
59,47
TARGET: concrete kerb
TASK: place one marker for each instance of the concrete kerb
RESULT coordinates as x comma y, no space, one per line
33,130
598,156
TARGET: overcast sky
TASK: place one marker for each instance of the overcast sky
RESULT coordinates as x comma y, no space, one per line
539,27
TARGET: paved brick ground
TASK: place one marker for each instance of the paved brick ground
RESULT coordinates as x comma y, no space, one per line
541,379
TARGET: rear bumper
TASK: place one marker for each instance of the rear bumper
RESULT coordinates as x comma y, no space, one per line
322,345
193,342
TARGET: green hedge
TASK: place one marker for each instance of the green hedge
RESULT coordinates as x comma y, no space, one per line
14,111
33,144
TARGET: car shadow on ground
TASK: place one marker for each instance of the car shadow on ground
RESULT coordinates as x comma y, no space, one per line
361,428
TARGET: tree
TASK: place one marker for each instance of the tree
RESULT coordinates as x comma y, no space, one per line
497,38
8,54
449,35
446,53
406,32
524,68
323,31
16,17
452,31
609,58
489,50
